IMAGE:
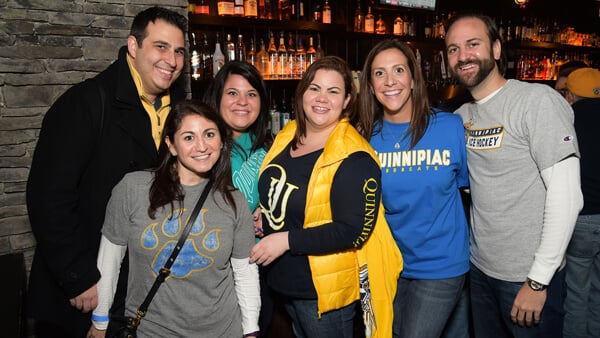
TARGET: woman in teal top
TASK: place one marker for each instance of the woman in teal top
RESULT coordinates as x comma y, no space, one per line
239,94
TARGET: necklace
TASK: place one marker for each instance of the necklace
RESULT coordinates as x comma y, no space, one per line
397,144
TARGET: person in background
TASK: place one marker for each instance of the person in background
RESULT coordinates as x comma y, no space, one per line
326,242
424,166
212,288
564,71
239,94
110,125
582,305
523,165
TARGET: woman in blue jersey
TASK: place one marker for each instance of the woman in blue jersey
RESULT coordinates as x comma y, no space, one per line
423,162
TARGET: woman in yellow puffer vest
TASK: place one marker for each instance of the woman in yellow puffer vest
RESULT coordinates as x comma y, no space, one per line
326,243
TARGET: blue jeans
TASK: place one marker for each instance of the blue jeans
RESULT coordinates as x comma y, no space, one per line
492,300
307,324
582,305
422,307
459,323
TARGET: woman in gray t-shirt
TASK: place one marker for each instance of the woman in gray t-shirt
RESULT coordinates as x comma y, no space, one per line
212,290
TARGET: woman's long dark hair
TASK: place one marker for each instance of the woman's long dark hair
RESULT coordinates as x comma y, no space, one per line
166,187
259,129
333,63
372,108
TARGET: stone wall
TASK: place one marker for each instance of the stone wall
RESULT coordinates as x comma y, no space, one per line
46,46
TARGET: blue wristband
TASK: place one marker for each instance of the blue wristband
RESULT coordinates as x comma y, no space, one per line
98,318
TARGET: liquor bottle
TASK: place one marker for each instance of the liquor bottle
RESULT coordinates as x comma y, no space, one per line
262,60
317,12
250,9
300,58
509,31
262,14
284,9
326,15
195,62
406,29
291,57
398,26
427,28
273,57
225,7
555,33
518,33
554,63
412,26
443,69
320,52
311,53
267,9
218,57
292,114
525,30
282,70
300,10
229,49
206,59
238,8
240,49
202,8
369,22
275,119
380,25
251,55
535,29
441,34
502,30
359,19
284,112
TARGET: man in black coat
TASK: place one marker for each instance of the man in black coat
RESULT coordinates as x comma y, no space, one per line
94,134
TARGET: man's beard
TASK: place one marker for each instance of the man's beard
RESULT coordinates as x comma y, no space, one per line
471,80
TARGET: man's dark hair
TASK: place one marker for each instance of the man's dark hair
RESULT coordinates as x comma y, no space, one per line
143,18
492,33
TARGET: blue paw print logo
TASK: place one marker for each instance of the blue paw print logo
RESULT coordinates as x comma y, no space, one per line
191,258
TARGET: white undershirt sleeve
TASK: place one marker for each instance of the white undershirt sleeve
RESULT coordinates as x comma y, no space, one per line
110,257
247,288
564,201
